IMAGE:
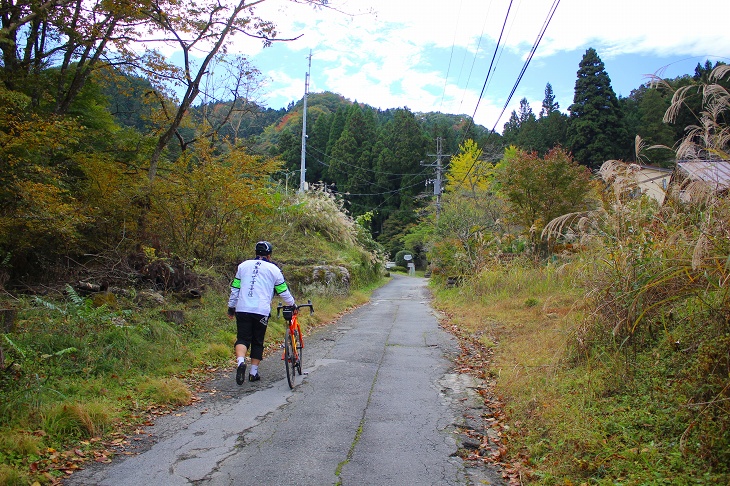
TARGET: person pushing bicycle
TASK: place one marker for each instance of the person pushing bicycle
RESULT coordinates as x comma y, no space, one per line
255,284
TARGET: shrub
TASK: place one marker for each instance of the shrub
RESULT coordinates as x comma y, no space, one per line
400,260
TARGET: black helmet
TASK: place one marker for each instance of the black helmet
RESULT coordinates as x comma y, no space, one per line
263,248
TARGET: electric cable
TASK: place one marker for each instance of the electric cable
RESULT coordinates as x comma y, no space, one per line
545,25
360,167
451,56
476,54
375,183
489,71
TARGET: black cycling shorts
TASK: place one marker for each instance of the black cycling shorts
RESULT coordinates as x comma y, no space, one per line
250,331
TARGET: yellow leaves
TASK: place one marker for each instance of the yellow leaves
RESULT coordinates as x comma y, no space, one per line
43,210
468,169
208,198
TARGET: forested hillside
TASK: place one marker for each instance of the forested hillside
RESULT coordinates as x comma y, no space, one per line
95,152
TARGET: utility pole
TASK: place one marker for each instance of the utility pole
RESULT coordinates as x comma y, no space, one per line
303,170
438,182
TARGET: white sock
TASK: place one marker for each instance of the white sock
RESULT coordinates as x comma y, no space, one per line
254,369
239,360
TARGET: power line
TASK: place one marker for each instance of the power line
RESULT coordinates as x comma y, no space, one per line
360,167
453,43
376,183
393,191
545,25
529,58
484,87
476,54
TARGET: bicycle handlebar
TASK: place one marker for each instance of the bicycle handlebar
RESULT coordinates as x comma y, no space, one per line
294,307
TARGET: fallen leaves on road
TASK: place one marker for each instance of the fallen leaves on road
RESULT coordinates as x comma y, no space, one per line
475,359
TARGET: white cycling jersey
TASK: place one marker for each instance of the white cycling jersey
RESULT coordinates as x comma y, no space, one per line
255,284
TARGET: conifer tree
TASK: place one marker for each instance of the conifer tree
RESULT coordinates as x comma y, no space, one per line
549,105
317,146
595,131
336,128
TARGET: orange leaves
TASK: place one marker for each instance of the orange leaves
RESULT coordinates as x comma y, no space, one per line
541,189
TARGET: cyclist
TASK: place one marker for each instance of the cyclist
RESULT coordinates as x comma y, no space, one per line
255,284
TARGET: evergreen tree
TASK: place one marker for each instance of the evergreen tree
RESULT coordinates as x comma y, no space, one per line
511,129
552,131
410,145
595,131
317,146
521,130
290,149
549,105
338,125
360,181
360,125
526,114
653,130
342,161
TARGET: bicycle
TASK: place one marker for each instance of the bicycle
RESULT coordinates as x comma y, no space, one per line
293,339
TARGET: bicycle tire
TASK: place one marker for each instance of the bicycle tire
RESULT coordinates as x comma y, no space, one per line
289,358
298,340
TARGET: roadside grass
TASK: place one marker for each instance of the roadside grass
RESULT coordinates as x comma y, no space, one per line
76,374
605,417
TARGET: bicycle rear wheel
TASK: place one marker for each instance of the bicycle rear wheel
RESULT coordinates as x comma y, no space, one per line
289,358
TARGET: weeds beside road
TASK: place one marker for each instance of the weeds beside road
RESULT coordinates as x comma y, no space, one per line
611,417
78,378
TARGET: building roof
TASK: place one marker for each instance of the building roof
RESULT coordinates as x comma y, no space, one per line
716,172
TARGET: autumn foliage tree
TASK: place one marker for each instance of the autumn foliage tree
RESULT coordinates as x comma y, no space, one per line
210,204
469,169
38,207
541,189
464,234
74,182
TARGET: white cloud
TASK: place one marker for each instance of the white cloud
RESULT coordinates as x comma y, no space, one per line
398,54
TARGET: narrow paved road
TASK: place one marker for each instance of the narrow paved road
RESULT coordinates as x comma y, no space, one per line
377,404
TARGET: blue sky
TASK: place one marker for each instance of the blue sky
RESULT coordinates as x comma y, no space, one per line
434,56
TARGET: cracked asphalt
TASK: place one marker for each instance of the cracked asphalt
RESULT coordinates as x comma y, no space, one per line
378,403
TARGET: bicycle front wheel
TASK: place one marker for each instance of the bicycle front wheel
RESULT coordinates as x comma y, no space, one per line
289,358
298,342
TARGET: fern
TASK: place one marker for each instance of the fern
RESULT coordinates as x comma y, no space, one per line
49,305
77,300
13,345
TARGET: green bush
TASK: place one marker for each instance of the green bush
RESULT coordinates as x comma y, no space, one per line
399,260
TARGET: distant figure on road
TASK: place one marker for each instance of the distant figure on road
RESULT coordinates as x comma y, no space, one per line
255,284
